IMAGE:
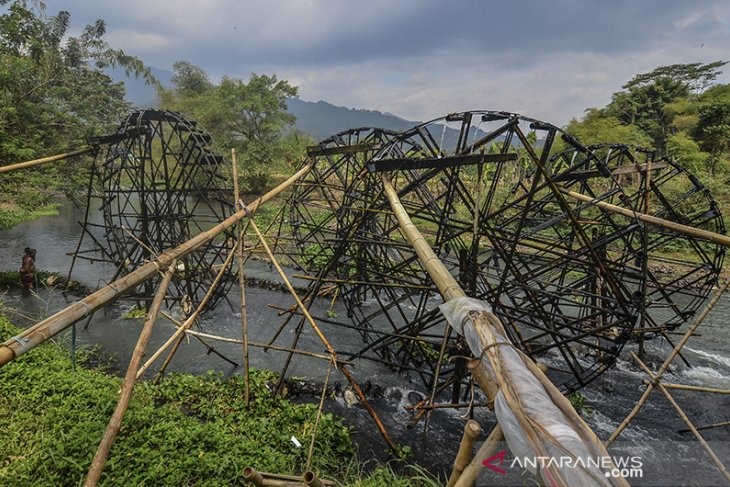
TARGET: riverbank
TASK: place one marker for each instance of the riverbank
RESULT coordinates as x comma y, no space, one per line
12,214
188,430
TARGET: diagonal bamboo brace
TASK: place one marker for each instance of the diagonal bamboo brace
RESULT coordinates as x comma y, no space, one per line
51,326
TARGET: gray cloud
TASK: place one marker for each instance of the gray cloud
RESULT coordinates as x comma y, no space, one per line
422,58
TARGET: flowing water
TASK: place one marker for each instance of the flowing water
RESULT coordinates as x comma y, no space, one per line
669,456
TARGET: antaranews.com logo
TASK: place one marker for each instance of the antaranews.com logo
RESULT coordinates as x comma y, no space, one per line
617,466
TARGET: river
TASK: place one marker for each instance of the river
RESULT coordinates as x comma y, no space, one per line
669,457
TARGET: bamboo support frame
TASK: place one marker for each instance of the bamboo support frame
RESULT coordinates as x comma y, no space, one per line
51,326
323,339
115,423
672,355
45,160
483,323
655,380
177,337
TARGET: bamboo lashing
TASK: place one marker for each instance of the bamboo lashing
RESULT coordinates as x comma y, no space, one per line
45,160
115,423
61,320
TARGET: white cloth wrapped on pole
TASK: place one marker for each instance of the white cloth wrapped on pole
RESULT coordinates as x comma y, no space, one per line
534,426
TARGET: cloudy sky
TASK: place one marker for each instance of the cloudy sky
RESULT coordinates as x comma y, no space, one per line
420,59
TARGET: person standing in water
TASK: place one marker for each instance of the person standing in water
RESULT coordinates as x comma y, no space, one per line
27,269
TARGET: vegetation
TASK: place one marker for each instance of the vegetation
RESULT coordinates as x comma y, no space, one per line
249,117
188,430
53,95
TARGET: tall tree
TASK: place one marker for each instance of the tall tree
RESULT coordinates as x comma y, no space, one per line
248,116
647,96
53,91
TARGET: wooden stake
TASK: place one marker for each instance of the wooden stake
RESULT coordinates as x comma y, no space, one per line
115,423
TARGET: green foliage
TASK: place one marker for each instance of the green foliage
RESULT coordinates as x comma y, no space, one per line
11,215
135,313
250,117
579,402
188,430
53,94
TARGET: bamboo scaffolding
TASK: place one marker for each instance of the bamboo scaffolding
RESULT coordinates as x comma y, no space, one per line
241,282
115,423
683,415
323,339
672,355
177,337
42,331
45,160
677,227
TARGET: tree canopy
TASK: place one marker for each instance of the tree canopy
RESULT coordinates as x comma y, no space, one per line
250,117
53,90
678,110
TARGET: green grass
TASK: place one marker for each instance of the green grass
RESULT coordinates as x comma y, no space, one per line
11,215
188,430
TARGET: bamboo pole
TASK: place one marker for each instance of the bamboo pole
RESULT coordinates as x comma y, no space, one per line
323,339
319,415
672,355
219,338
42,331
115,423
45,160
722,424
487,450
177,337
677,227
241,284
463,456
685,387
483,323
684,417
